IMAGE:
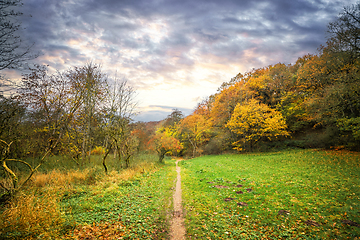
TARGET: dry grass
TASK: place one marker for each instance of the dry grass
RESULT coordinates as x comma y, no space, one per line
112,180
36,214
57,178
130,173
31,217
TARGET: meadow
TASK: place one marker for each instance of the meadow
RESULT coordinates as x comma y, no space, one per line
299,194
66,201
302,194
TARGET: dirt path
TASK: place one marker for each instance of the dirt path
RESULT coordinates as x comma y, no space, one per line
177,228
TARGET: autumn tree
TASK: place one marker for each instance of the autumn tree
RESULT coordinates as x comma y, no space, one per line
342,54
254,121
257,84
221,106
350,130
51,103
11,113
196,130
171,123
238,78
225,103
326,93
339,101
316,96
140,132
163,143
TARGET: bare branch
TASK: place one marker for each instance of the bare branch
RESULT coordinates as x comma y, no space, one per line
13,52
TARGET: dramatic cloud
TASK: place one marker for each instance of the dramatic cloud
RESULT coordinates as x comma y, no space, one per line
176,52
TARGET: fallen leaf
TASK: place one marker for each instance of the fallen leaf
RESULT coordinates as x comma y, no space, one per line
351,223
228,199
311,223
283,212
242,204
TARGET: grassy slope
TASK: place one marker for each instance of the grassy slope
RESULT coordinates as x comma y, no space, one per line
318,190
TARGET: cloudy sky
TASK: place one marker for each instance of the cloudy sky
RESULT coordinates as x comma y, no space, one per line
175,52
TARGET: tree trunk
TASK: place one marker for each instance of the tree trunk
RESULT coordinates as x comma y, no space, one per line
104,159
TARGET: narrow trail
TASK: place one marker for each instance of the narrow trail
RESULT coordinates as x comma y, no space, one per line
177,228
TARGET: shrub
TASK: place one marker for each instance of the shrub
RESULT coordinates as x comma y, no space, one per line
99,150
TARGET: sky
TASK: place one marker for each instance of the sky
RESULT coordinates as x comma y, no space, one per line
175,53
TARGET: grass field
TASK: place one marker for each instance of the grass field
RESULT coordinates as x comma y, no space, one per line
305,194
133,209
84,203
302,194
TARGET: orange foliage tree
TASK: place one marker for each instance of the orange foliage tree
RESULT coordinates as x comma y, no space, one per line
163,143
225,102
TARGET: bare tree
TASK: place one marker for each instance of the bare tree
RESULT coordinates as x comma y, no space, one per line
91,83
13,51
11,113
345,31
120,111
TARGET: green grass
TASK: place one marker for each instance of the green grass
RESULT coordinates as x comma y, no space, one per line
138,207
131,203
304,194
296,195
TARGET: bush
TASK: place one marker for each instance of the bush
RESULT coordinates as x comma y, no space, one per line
98,151
214,146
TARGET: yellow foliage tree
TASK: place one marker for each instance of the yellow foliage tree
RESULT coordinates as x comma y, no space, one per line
254,121
195,129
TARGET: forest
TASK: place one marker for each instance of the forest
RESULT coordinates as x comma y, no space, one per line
82,117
